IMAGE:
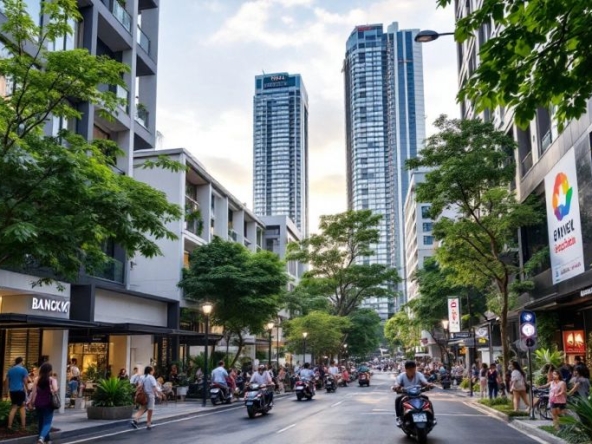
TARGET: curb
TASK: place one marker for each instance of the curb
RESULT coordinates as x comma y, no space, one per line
521,424
120,425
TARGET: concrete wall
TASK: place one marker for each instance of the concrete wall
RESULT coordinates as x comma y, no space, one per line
141,352
116,308
55,345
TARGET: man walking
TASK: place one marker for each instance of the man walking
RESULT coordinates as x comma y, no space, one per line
17,378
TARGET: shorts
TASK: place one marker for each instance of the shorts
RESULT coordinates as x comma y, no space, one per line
556,405
18,398
151,402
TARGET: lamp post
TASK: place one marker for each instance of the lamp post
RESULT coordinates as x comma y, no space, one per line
304,335
277,346
207,309
269,328
445,323
427,35
345,353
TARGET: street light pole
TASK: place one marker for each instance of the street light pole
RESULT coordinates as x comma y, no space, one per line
304,335
270,328
428,35
207,309
445,323
277,348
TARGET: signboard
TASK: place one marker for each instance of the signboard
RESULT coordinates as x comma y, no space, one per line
573,342
453,314
278,81
586,292
563,219
462,335
47,304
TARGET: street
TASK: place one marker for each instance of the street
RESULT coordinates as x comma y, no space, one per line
352,414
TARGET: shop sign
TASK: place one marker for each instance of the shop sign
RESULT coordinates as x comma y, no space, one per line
47,304
573,342
563,219
586,292
453,314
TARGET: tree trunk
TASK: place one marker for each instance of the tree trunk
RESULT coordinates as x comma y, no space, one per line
238,352
504,331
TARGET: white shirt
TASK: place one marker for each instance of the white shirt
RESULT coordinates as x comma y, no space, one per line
334,370
149,384
219,375
261,378
135,378
306,373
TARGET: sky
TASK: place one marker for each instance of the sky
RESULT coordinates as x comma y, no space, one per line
211,50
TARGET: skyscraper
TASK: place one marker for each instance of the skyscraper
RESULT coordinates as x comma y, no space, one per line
280,148
384,127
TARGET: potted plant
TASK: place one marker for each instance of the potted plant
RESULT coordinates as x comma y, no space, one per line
182,385
112,399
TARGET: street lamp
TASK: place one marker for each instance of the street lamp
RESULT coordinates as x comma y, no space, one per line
270,328
277,345
207,309
345,353
304,335
445,323
428,35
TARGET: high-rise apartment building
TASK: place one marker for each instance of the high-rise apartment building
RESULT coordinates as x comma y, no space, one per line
385,126
280,148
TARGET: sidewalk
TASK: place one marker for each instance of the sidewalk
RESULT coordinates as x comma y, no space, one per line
73,423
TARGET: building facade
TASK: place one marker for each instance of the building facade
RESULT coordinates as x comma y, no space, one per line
280,148
384,108
99,320
556,169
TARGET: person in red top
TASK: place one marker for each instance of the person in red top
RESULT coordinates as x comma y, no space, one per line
344,376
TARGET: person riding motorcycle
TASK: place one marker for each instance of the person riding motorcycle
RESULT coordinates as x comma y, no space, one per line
307,374
262,377
409,378
219,376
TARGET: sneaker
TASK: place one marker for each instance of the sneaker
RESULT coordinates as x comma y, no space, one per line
149,427
134,424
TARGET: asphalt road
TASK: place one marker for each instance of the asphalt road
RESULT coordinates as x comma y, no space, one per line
351,415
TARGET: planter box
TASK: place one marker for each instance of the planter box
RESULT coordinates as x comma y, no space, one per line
110,413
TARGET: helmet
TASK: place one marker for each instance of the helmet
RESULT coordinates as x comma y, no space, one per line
261,367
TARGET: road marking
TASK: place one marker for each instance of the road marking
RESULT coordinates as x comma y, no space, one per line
336,404
285,428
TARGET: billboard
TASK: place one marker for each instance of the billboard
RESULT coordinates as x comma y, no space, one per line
453,314
573,342
563,219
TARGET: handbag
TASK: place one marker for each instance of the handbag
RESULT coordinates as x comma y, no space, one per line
141,398
56,401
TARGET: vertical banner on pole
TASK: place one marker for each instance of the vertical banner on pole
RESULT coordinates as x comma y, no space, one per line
453,314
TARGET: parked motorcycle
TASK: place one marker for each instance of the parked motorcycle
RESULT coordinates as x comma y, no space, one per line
417,419
219,394
445,380
255,400
330,383
304,389
364,379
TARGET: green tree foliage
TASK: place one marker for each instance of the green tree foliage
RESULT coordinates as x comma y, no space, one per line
335,257
471,167
60,199
305,298
363,337
401,331
325,333
245,288
540,56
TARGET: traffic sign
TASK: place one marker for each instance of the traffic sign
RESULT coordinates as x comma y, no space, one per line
528,331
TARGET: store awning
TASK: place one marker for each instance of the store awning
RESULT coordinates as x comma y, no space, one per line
191,338
131,329
18,320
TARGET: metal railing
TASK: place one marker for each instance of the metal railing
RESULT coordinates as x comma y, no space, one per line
121,15
142,116
546,141
143,41
232,234
112,271
526,164
123,94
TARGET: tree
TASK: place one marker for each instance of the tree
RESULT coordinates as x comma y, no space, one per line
245,288
539,57
471,168
60,199
325,333
336,256
401,332
363,336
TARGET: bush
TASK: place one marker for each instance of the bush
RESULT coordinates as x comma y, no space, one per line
31,418
495,401
113,392
464,384
580,424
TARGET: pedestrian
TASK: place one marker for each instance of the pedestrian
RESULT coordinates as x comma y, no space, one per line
281,379
518,386
149,385
74,380
493,381
483,380
123,376
136,377
16,380
581,385
582,368
41,399
557,397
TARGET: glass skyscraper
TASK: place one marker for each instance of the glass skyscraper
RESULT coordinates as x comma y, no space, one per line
385,126
280,148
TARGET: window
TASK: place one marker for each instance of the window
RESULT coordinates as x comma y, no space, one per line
427,226
425,211
428,240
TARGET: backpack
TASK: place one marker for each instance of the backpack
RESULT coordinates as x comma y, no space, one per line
141,398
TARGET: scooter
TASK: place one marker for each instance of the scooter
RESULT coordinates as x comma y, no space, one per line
255,400
219,394
417,419
445,380
304,389
364,379
330,383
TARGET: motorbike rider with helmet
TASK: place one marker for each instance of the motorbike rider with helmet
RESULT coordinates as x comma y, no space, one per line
263,377
307,374
409,378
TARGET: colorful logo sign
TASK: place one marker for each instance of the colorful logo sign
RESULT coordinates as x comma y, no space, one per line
562,193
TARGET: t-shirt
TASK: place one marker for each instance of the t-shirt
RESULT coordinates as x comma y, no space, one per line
261,378
149,385
518,380
333,370
492,377
583,386
15,377
306,373
219,375
418,379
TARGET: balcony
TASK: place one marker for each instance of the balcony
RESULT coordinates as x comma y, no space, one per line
247,242
526,164
546,141
142,115
143,41
232,234
120,14
122,94
112,271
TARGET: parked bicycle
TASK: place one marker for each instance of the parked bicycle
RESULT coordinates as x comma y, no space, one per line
541,403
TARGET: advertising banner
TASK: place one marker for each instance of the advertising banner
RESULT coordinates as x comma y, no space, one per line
573,342
563,219
453,314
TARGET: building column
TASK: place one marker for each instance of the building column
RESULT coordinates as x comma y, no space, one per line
55,347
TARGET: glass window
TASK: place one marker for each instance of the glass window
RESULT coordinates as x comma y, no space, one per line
427,226
425,211
428,240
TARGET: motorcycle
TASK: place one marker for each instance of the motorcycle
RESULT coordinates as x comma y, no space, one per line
330,383
318,382
445,380
304,389
364,379
219,394
353,376
255,400
417,418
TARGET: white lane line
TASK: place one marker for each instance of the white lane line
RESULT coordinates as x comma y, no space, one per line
336,404
285,428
